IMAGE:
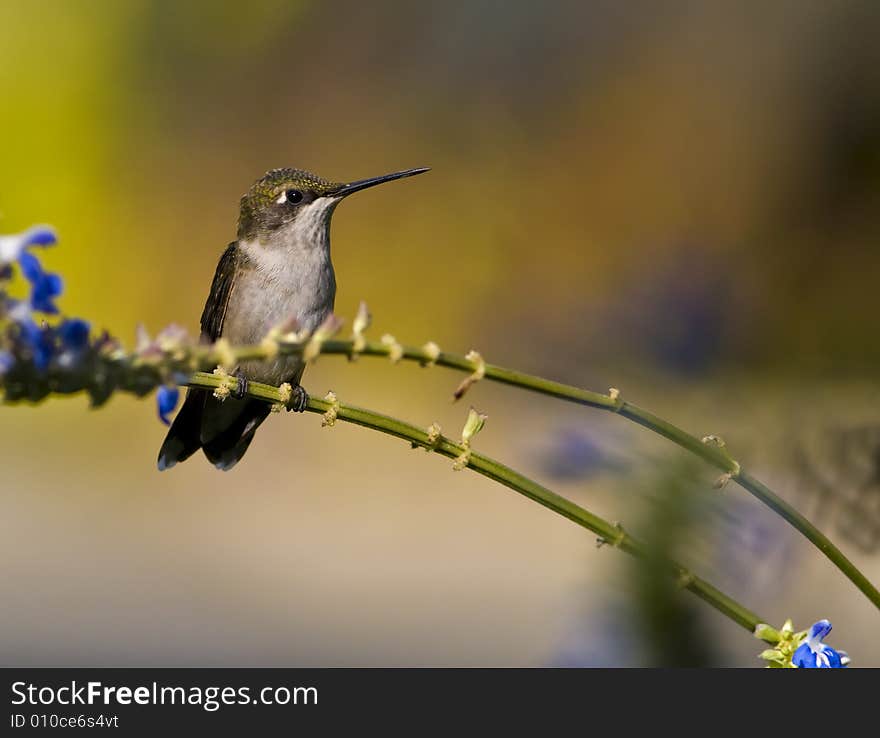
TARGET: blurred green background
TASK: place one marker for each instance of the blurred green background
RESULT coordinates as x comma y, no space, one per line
679,199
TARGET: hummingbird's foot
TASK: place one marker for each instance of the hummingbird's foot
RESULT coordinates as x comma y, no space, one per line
242,389
299,398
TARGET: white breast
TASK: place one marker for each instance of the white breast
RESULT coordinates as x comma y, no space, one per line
291,276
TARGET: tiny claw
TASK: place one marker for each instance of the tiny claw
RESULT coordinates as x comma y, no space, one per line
242,389
299,399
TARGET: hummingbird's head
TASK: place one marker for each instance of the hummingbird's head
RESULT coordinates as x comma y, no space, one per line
287,196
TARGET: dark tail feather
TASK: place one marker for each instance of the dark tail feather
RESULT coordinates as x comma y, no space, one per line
183,438
225,449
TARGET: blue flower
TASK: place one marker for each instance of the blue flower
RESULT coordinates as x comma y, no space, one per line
39,341
74,334
574,455
45,286
578,453
813,654
13,246
166,400
34,340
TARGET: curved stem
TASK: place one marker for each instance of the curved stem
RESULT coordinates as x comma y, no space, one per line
111,368
715,454
612,534
718,457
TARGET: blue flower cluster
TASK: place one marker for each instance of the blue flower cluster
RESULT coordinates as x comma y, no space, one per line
814,654
29,343
38,342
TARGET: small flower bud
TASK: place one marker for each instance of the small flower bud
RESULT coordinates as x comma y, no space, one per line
479,372
462,460
329,328
434,433
614,396
285,391
361,322
734,470
395,350
767,633
224,354
473,425
224,390
172,338
288,332
329,418
432,352
621,534
685,579
269,346
773,654
141,339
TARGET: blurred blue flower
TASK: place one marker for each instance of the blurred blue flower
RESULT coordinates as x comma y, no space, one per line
577,453
45,286
74,334
604,637
678,311
32,339
745,545
13,246
166,400
813,654
37,340
42,343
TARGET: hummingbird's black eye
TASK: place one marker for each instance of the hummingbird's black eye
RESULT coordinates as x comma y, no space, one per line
293,196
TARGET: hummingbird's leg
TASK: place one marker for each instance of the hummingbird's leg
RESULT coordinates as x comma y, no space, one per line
298,399
243,385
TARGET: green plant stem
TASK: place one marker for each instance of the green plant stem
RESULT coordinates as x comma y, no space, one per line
611,534
717,455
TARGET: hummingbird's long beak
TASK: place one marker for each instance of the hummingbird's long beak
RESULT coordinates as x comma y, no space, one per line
362,184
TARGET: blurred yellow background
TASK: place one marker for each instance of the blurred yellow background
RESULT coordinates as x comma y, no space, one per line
678,199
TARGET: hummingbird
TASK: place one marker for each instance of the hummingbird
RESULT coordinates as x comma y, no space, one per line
278,270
